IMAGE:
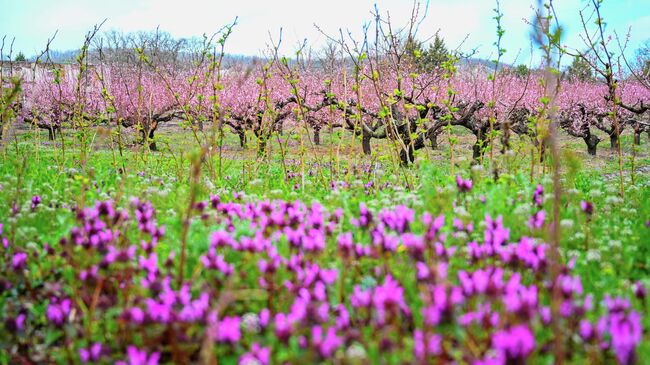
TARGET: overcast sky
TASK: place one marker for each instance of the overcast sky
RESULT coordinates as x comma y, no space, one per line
31,22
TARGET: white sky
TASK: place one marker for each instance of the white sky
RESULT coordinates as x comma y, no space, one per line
31,22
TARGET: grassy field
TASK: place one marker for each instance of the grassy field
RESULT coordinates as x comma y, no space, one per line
44,192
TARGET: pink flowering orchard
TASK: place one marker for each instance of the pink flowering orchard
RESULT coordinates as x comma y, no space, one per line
374,195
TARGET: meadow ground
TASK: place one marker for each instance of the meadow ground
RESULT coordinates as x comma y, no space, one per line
43,191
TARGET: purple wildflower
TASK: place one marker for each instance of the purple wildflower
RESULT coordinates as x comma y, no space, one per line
227,330
15,324
326,343
536,221
426,345
258,355
360,298
139,357
91,354
58,310
586,330
640,290
36,201
625,331
463,185
587,207
264,317
19,261
515,344
538,196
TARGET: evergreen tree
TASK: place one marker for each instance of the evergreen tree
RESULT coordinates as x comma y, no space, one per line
430,59
435,55
522,71
20,57
580,70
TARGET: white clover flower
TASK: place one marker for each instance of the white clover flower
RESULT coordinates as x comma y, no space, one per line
209,183
593,255
613,200
579,236
566,223
607,267
614,243
573,191
521,210
355,352
461,211
251,323
329,199
22,231
596,193
573,253
406,197
462,235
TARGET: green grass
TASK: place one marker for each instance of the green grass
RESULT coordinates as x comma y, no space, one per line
612,248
